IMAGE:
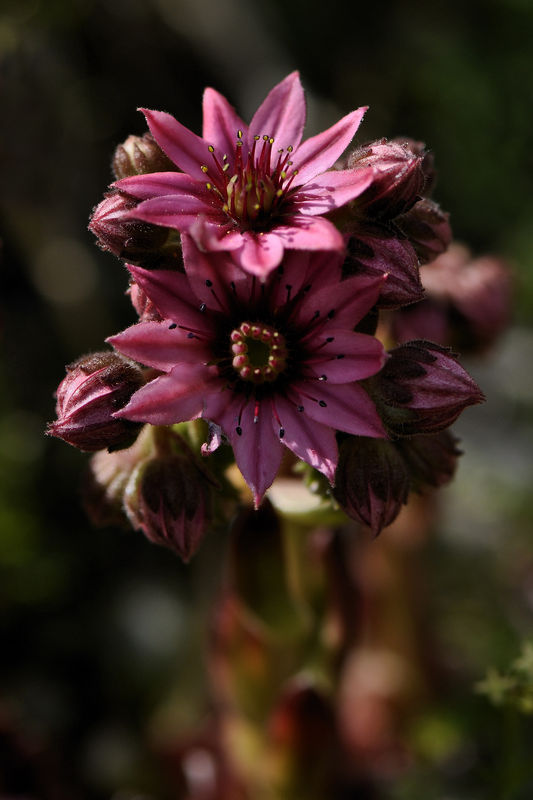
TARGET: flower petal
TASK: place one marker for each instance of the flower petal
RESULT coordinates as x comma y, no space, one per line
310,233
176,397
178,211
290,276
171,293
309,440
221,122
213,236
281,115
181,145
319,153
345,302
248,426
214,277
261,253
342,407
157,184
332,189
343,356
156,345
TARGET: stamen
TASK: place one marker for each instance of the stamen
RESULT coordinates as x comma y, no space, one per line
259,352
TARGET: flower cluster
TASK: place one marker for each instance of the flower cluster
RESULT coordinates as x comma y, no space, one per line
258,264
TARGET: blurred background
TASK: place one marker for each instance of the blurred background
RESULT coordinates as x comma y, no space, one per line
100,631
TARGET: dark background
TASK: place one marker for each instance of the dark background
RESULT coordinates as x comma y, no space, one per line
98,628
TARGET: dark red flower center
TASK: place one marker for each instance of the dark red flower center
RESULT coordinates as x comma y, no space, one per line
251,192
259,352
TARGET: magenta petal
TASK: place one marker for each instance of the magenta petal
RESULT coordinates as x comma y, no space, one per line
345,302
342,407
157,184
171,293
213,236
261,253
155,345
221,122
257,449
309,440
310,233
214,277
344,356
181,145
176,397
281,115
173,211
319,153
332,189
293,274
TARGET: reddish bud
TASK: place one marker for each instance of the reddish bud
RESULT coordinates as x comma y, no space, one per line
427,228
142,243
467,302
169,498
95,387
371,482
431,459
399,178
423,389
374,250
139,155
428,161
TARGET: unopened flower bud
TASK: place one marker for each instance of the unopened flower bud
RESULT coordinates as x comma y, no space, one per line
467,302
107,478
399,178
169,498
142,243
428,161
423,389
139,155
427,228
431,459
375,250
371,482
95,387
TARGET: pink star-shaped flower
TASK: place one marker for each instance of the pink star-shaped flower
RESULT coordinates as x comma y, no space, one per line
253,190
273,363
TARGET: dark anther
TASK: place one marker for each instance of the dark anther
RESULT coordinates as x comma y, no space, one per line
191,336
322,403
208,283
323,378
341,355
172,326
331,314
238,430
300,408
281,433
203,307
330,339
